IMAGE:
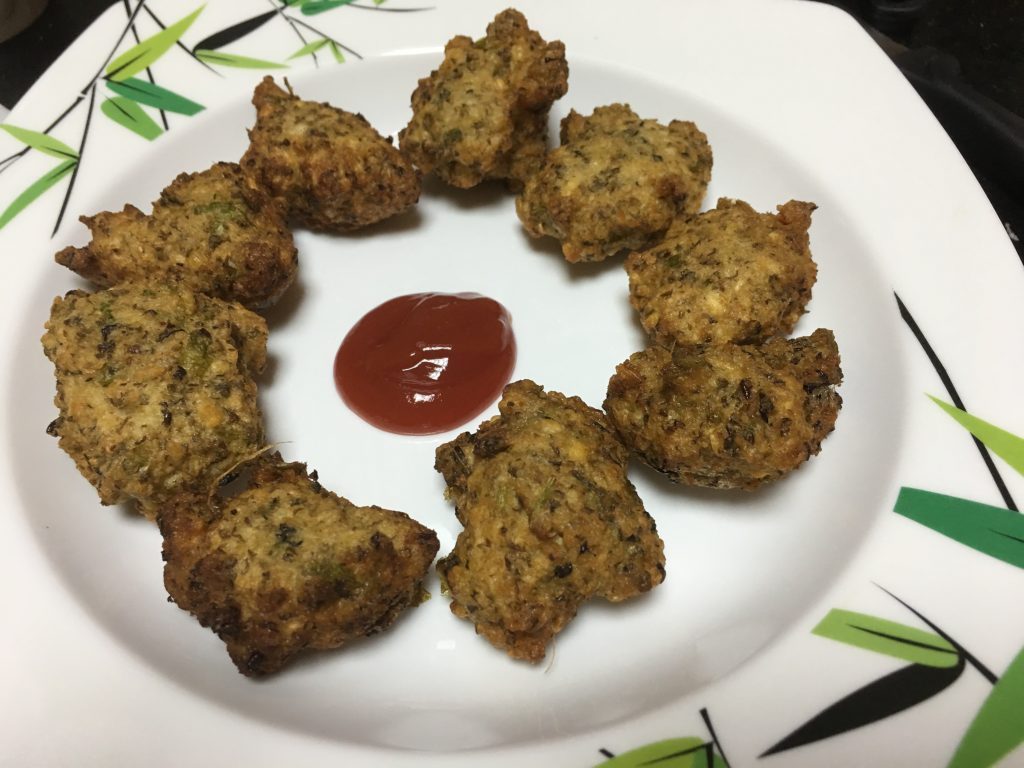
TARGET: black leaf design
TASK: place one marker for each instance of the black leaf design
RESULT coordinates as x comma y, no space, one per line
886,696
235,32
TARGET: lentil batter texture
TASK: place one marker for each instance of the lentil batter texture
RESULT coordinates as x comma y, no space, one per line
209,232
155,388
286,565
550,520
728,416
483,114
616,183
730,274
331,169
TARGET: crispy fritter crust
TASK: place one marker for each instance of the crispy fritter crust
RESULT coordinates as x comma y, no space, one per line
208,231
616,182
550,519
728,416
287,565
483,113
727,275
333,171
155,388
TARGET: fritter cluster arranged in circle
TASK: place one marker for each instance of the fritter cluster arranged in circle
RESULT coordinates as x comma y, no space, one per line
550,518
483,114
616,183
209,232
156,371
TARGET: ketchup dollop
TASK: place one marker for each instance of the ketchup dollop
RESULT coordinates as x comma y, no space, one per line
426,362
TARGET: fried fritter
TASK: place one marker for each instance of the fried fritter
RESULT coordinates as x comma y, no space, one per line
616,182
727,275
331,168
550,520
483,113
208,231
155,388
728,416
287,565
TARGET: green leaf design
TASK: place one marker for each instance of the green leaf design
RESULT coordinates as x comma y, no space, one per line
140,56
995,531
37,188
882,636
40,141
309,48
687,752
233,60
153,95
996,730
127,113
1006,445
338,55
313,7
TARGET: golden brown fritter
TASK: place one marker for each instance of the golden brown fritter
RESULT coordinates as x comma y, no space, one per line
287,565
208,231
333,171
155,388
550,519
483,113
728,416
616,182
727,275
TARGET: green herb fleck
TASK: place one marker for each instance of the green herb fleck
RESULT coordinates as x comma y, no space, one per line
107,375
195,357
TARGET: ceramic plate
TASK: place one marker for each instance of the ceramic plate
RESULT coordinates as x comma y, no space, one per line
865,610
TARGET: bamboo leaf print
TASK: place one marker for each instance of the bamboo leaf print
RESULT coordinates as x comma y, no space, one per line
884,697
940,369
336,51
140,56
688,752
233,60
995,531
996,730
41,142
153,95
37,188
1006,445
127,113
881,636
309,48
313,7
235,32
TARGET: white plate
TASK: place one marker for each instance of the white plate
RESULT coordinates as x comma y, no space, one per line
747,640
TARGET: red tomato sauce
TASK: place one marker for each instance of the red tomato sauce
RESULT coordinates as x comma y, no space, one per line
427,362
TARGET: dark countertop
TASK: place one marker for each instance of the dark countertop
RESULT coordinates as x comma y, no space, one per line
966,59
26,56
